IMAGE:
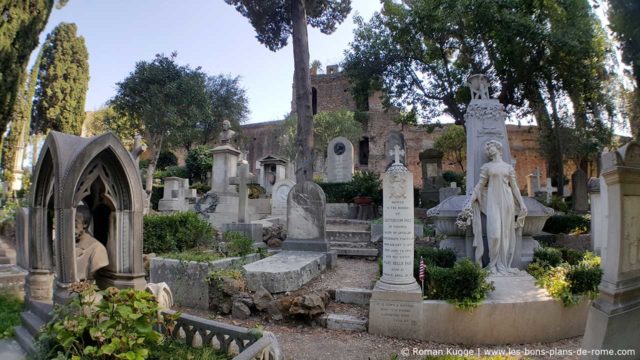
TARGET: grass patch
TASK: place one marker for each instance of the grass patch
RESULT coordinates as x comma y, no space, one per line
10,308
197,255
173,349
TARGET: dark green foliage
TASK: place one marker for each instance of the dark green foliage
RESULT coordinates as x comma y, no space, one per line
199,162
238,244
273,21
201,187
576,273
452,176
434,257
121,325
195,254
453,145
63,80
166,159
10,308
156,194
255,191
338,192
566,224
557,203
19,33
548,257
584,278
163,99
175,232
464,284
623,17
172,171
175,349
368,183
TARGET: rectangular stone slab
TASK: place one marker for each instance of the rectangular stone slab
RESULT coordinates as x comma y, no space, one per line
285,271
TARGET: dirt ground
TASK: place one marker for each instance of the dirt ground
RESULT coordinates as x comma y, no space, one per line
301,340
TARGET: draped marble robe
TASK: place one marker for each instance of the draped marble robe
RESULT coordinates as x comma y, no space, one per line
498,197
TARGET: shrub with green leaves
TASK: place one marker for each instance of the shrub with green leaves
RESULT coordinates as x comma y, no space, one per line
547,257
198,162
175,232
238,244
201,188
464,285
445,258
116,324
10,308
574,275
567,224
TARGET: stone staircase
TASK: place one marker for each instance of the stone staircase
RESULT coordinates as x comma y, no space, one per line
352,312
33,319
351,238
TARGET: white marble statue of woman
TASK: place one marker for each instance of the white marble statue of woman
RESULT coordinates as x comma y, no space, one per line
498,197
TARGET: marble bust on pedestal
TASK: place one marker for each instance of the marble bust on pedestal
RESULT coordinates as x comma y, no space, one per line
91,255
227,134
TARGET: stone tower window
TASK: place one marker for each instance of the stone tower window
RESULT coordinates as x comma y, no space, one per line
314,100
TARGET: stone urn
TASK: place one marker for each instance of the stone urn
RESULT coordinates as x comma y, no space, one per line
461,241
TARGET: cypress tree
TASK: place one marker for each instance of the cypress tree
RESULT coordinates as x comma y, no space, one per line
63,80
20,25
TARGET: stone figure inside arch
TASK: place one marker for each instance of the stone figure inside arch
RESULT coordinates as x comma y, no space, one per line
498,197
91,255
227,134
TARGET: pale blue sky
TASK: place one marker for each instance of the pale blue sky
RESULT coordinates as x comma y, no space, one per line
207,33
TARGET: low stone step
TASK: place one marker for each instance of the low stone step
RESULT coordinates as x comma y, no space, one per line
31,322
363,252
356,296
285,271
4,260
344,322
348,244
26,341
350,236
41,309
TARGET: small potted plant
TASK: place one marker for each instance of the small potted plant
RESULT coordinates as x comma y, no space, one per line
367,185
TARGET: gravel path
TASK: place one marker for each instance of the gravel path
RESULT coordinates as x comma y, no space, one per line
310,341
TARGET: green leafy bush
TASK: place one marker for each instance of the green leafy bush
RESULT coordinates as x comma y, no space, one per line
567,224
576,273
119,325
10,308
452,176
255,191
558,204
199,162
368,183
175,232
445,258
172,171
157,192
166,159
171,350
548,257
464,284
201,188
238,244
338,192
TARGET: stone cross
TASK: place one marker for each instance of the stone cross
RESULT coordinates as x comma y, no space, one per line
396,152
549,190
242,180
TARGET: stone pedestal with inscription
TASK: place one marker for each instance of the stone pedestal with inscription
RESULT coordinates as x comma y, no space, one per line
615,315
396,302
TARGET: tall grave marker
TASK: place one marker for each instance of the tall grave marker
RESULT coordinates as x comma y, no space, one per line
340,160
395,305
614,318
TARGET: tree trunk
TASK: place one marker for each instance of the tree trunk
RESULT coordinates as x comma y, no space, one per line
302,81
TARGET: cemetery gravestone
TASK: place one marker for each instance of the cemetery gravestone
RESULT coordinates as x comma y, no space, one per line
395,138
340,160
176,191
306,219
579,194
395,305
279,197
432,181
252,231
614,317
